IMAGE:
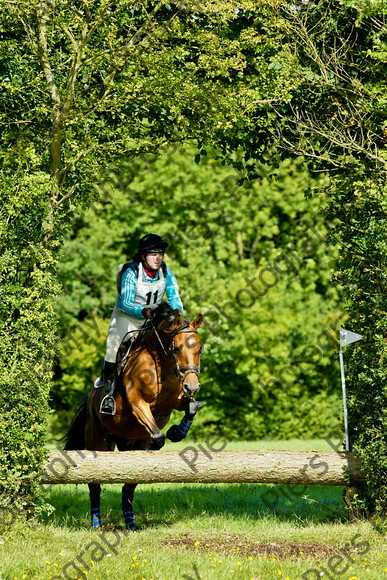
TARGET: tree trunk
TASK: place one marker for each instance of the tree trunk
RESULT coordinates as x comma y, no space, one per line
204,464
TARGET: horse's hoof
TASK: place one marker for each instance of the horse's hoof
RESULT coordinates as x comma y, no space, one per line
192,408
158,441
174,434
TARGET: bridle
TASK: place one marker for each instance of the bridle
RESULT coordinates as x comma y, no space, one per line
180,371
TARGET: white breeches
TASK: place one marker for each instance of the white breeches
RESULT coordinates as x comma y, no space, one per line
120,324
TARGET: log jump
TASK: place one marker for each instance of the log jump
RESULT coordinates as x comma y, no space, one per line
194,466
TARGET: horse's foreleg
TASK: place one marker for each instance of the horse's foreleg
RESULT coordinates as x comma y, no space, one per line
127,505
143,414
95,510
178,432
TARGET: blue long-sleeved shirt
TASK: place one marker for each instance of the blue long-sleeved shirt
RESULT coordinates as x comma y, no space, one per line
128,290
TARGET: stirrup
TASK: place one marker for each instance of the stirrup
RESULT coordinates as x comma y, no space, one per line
108,412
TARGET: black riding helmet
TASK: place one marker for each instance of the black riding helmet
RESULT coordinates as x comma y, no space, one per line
150,243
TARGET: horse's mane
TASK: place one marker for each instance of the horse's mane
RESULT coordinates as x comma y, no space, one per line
162,312
165,312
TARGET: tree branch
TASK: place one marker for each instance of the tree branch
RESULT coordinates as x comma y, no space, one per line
58,203
43,50
125,49
62,173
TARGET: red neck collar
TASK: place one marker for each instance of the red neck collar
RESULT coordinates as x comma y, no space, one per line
148,271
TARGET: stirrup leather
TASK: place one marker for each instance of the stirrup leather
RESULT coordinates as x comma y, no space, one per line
98,383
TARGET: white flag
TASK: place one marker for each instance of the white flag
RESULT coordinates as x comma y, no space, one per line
347,337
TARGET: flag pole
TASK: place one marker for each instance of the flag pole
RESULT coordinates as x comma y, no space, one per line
344,398
346,337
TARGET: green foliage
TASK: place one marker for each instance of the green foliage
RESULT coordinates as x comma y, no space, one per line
27,338
363,222
80,88
217,242
84,88
357,198
119,79
336,119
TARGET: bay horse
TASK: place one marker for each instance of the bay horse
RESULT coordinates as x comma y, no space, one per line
157,372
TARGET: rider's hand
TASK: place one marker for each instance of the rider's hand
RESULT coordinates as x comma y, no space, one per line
147,313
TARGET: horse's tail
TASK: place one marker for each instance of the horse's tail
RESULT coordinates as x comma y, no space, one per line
75,436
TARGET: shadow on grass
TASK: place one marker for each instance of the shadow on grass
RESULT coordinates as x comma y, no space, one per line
166,504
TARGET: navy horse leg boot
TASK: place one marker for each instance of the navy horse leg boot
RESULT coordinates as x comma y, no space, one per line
178,432
108,404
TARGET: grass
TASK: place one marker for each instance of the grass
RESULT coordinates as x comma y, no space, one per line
199,531
294,444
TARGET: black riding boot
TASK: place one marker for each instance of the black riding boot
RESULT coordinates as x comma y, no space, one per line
108,404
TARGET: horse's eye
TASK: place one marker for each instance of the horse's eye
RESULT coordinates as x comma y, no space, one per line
176,349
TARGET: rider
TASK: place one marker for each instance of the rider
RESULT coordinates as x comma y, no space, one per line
141,284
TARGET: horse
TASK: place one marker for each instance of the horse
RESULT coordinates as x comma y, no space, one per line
156,372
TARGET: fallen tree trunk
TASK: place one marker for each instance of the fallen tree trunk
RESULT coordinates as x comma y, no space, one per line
198,464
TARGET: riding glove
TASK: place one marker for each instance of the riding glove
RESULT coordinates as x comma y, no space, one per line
147,313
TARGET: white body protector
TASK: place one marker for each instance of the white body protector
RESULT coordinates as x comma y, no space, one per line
147,295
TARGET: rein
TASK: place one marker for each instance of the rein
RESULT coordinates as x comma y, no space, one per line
158,338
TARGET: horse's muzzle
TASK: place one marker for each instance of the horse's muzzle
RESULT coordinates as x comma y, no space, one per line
191,390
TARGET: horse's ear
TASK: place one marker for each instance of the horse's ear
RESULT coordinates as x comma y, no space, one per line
198,321
176,323
171,325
